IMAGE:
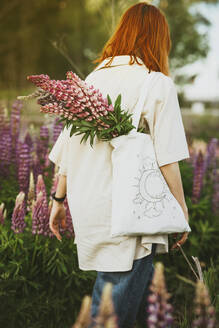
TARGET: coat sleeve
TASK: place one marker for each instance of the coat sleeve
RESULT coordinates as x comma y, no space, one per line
59,153
166,125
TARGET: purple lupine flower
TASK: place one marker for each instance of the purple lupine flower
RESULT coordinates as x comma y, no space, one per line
24,161
37,170
44,135
42,146
198,177
2,118
41,220
38,157
210,158
3,213
47,162
5,150
28,140
57,128
55,181
15,117
15,127
215,197
159,310
193,159
204,311
18,224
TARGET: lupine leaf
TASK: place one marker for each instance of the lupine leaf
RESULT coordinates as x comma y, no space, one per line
72,130
88,124
118,101
61,120
87,135
109,100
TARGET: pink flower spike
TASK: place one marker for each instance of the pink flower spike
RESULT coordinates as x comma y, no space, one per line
18,223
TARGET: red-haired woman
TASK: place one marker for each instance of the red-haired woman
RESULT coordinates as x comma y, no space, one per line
140,44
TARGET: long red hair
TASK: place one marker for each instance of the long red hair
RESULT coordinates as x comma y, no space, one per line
142,32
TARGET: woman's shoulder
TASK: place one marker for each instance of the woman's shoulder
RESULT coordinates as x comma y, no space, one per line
165,81
163,87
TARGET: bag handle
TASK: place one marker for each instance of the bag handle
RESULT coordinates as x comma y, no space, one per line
143,94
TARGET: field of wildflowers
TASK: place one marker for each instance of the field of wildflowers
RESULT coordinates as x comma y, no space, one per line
40,283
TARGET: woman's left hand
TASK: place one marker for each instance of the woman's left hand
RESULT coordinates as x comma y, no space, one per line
184,235
181,241
57,216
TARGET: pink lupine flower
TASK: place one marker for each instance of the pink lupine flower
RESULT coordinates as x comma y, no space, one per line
3,213
204,311
159,310
75,93
18,224
82,107
40,216
107,316
40,186
84,317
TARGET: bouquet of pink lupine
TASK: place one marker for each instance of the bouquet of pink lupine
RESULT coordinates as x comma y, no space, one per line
81,107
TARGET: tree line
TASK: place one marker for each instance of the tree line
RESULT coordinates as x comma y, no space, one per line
43,36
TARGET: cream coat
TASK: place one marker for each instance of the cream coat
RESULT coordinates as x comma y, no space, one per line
89,170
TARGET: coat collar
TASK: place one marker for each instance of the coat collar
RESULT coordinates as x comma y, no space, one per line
118,60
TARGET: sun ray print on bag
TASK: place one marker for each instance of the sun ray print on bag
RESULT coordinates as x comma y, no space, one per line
152,191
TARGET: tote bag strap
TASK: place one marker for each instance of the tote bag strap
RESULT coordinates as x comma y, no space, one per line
143,94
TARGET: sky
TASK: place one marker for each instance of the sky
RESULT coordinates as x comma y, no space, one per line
206,85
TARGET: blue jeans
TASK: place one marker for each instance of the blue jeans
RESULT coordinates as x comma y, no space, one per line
129,293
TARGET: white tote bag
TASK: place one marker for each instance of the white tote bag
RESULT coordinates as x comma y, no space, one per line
142,203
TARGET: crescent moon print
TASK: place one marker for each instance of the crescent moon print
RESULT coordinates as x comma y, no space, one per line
152,190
